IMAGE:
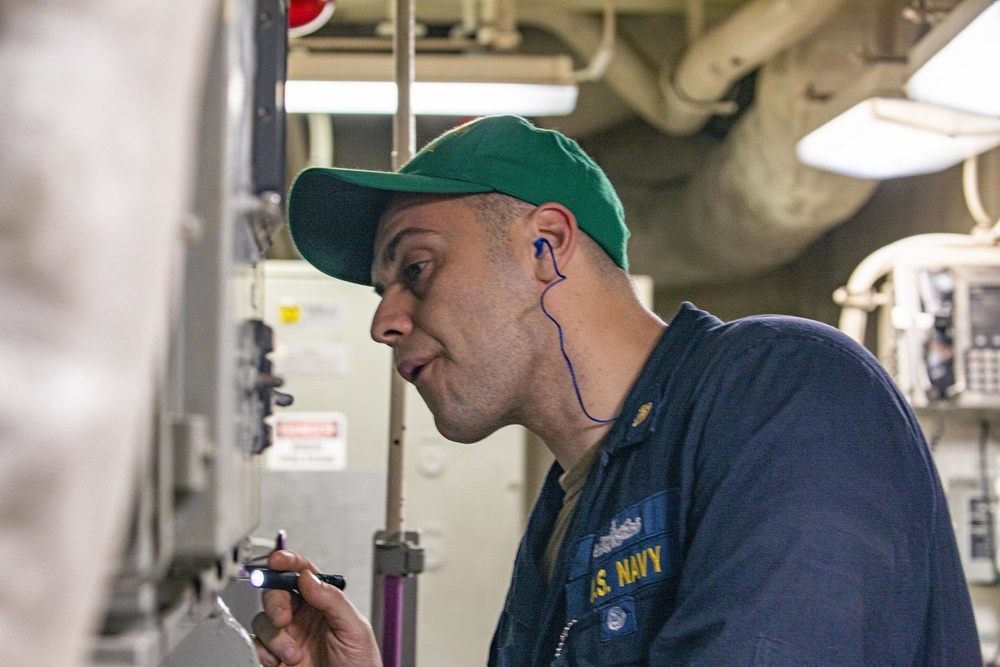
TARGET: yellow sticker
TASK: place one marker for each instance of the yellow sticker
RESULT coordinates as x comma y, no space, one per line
289,313
641,415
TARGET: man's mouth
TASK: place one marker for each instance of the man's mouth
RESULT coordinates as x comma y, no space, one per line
411,368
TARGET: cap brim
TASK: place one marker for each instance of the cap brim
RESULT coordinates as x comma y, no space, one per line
334,214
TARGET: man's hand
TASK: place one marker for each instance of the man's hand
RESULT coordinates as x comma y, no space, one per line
320,628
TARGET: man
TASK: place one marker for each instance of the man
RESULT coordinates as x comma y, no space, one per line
753,493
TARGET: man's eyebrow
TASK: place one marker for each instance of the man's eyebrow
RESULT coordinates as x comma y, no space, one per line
389,252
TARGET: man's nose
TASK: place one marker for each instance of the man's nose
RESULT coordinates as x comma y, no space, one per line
392,320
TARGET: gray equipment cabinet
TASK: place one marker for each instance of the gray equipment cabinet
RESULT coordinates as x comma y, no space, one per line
198,494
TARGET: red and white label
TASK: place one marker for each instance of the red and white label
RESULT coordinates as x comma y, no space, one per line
307,429
308,441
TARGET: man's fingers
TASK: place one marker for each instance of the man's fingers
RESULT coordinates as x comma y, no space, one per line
266,657
352,630
274,645
340,613
289,613
289,561
280,606
263,629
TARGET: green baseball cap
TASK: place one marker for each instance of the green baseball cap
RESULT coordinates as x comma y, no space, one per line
334,213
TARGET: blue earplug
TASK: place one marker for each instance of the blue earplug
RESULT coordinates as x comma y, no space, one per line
539,247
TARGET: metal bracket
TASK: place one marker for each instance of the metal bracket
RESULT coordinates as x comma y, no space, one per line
265,216
271,33
868,301
398,557
261,382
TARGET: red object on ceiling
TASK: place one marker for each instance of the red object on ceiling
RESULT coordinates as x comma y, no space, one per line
306,16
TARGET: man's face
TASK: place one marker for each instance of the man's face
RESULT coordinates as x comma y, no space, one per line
456,312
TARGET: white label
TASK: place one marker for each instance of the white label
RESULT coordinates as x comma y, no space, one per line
326,315
312,359
308,441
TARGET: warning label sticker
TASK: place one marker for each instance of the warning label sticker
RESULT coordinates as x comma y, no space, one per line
308,441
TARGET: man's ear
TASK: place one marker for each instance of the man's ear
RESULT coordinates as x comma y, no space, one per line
553,233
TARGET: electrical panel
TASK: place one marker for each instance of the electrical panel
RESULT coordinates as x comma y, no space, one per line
972,517
198,492
940,337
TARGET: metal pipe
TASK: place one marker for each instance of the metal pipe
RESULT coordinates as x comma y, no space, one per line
753,35
320,140
970,188
680,100
393,610
506,37
856,298
403,148
403,48
469,22
599,63
694,11
395,498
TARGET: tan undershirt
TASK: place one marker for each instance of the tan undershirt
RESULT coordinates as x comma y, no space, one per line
571,482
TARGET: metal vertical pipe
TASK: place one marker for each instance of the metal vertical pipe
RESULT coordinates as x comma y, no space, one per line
403,148
694,11
403,134
505,36
393,612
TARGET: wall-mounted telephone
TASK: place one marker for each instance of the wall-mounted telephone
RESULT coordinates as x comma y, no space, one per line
940,332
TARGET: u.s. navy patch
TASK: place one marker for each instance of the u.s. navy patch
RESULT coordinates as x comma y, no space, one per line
632,550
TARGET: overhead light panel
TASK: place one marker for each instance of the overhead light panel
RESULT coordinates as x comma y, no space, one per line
446,84
936,110
956,64
869,130
883,137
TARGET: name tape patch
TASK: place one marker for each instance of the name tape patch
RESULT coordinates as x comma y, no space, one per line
634,549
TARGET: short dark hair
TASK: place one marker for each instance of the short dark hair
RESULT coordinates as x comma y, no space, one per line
498,211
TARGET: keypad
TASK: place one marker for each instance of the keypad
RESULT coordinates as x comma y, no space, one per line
984,370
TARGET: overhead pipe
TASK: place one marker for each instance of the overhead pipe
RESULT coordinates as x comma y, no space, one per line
598,65
858,297
694,14
752,206
506,36
970,189
628,73
679,100
753,35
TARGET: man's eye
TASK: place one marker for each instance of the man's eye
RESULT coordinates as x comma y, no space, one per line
412,272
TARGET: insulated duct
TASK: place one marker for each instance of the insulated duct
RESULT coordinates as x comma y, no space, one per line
751,206
680,99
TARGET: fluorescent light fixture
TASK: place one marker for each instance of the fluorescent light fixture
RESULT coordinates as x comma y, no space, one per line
458,85
430,98
870,131
889,138
956,64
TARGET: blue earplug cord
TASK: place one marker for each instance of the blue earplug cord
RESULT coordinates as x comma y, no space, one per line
540,245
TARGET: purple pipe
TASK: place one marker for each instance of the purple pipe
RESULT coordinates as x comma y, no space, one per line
392,621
